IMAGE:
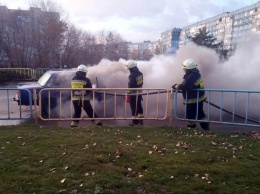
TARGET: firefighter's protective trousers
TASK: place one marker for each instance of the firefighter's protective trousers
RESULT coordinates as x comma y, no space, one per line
191,112
136,107
85,104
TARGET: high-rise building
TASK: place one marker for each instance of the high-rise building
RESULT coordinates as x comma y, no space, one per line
143,50
26,34
231,28
32,16
170,40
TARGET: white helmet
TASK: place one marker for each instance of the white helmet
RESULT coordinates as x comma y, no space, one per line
82,68
130,64
189,64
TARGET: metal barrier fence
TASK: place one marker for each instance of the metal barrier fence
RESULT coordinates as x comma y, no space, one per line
113,105
9,110
22,74
16,74
231,107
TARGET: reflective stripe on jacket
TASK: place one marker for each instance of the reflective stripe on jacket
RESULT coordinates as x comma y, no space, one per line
135,80
192,80
80,82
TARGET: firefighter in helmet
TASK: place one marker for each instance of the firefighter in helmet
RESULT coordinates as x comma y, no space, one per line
80,98
193,99
135,80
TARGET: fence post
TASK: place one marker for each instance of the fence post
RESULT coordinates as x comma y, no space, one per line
170,93
35,107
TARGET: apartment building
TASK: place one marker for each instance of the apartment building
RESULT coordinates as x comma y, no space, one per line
31,16
167,44
169,41
231,28
32,31
143,50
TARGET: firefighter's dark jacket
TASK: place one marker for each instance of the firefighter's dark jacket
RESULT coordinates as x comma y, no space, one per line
80,81
192,80
135,79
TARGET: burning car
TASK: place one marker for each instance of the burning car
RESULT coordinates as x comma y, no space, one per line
49,99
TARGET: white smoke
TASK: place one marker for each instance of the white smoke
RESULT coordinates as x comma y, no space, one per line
238,73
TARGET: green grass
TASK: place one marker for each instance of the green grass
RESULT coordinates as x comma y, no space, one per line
45,159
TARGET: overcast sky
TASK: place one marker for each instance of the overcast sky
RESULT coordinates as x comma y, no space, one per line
138,20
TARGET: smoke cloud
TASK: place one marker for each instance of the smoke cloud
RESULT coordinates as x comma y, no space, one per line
240,72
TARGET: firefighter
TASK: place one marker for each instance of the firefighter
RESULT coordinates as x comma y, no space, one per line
80,98
135,80
192,98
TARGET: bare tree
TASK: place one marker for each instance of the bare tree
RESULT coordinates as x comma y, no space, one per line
15,36
71,47
31,38
135,54
47,36
39,38
4,43
116,47
92,52
147,54
47,32
47,6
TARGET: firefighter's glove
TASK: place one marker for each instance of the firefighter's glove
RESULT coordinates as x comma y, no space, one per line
175,86
127,99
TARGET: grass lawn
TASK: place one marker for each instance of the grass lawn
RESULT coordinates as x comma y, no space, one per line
46,159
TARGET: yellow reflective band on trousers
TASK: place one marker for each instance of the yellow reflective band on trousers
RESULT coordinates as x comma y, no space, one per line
140,115
195,100
79,98
134,91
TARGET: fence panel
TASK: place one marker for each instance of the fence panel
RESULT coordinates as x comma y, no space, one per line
16,74
11,110
108,103
231,107
22,74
